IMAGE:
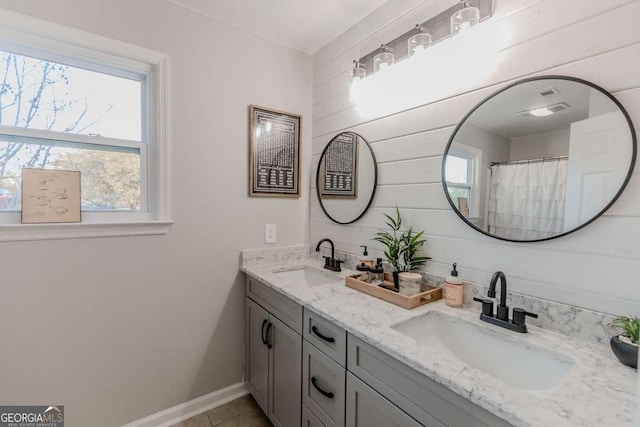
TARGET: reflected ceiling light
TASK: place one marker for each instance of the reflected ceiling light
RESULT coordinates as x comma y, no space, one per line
384,59
545,111
464,18
420,41
541,112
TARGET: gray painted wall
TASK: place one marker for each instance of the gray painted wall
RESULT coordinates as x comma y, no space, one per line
119,328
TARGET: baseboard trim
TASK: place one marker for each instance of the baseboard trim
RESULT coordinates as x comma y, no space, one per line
194,407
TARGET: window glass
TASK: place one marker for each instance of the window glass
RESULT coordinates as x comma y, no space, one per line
457,170
45,95
110,176
456,192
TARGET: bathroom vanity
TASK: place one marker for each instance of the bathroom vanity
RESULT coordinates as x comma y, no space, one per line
321,354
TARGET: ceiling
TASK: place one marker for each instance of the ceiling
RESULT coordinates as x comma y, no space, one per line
500,114
306,25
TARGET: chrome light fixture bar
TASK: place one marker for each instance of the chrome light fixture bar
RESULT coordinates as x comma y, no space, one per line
439,28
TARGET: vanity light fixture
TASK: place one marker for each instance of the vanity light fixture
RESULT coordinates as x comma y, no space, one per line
358,73
368,83
464,18
419,41
384,59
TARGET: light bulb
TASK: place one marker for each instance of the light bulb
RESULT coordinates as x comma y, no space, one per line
464,19
418,42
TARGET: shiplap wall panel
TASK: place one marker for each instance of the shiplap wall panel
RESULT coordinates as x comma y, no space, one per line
536,55
589,68
595,267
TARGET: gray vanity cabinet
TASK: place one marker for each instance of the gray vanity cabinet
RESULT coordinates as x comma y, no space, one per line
284,375
367,408
273,356
257,353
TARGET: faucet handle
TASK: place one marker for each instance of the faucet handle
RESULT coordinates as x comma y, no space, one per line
327,260
519,316
487,306
336,264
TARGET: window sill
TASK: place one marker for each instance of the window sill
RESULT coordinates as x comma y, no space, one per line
20,232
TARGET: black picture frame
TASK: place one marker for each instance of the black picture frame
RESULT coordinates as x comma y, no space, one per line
286,172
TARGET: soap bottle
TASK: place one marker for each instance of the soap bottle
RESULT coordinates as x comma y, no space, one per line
454,289
365,260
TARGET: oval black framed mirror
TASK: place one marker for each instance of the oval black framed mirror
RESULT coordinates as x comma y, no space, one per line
539,159
346,178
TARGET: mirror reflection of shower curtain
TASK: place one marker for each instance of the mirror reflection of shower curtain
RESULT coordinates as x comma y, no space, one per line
527,200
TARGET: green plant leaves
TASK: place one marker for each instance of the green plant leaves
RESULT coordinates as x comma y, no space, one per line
630,325
403,248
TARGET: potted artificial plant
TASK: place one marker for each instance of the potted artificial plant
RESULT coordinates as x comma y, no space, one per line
624,332
402,247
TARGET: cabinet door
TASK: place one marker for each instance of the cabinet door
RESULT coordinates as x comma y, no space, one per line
257,353
310,420
285,374
367,408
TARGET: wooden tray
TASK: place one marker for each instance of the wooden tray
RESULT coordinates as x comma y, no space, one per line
428,294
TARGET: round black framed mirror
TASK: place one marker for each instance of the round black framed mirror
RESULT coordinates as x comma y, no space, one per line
346,178
539,159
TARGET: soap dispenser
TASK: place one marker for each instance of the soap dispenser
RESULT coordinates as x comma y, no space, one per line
365,260
454,289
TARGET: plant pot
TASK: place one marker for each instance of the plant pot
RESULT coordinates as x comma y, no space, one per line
626,353
396,280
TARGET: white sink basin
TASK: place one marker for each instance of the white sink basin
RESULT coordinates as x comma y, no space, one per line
526,366
307,276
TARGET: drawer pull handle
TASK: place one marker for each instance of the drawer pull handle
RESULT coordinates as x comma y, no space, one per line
269,343
264,340
324,393
322,337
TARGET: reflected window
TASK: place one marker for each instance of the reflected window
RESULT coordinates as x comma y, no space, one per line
459,176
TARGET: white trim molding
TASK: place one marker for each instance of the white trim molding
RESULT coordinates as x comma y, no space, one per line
80,230
194,407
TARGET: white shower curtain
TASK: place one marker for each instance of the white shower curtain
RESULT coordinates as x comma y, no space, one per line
527,200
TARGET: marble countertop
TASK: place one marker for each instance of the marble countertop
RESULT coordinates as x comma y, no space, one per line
597,391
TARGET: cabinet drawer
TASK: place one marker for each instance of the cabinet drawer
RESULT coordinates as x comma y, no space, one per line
285,309
308,419
425,400
326,336
367,408
323,386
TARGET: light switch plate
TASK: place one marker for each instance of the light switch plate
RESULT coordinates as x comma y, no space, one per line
270,233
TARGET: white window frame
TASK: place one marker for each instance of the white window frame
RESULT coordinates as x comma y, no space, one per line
474,157
41,39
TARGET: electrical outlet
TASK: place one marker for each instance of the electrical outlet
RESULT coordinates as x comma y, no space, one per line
270,233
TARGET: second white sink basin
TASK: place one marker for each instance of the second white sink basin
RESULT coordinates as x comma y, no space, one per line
524,365
307,276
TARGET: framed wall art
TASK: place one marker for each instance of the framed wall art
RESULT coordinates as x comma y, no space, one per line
274,153
50,196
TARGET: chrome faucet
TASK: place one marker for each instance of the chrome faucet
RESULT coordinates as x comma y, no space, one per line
330,263
518,323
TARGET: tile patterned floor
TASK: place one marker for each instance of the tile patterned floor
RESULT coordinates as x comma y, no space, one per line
243,412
